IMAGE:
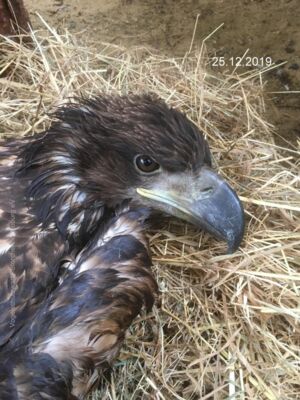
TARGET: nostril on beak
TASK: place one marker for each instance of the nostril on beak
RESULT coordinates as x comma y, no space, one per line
207,190
205,193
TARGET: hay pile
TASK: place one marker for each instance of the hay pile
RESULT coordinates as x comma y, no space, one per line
228,325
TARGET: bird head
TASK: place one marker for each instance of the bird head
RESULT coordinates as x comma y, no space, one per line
136,149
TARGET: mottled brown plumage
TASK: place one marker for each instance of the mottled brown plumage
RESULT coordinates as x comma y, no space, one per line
80,327
75,265
27,274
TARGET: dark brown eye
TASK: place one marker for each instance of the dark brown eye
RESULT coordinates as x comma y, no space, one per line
146,164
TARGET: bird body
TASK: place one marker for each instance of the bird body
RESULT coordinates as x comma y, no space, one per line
74,259
81,325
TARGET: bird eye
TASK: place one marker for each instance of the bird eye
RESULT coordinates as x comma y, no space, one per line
146,164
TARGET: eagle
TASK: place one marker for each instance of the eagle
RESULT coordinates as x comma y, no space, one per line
75,204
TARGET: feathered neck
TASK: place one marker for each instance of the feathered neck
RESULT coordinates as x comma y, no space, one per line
55,190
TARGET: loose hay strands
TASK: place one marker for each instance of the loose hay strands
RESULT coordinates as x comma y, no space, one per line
228,325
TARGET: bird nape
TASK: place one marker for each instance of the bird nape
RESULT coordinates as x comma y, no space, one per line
74,258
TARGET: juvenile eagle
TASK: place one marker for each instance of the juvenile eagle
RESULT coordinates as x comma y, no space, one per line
74,260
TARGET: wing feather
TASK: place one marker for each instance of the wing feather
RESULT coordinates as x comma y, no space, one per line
82,324
29,254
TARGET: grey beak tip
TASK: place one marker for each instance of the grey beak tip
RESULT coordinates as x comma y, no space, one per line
233,246
235,238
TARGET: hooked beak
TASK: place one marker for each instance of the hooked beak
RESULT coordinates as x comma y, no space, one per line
206,201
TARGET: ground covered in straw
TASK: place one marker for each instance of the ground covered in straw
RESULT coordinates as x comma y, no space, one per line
227,326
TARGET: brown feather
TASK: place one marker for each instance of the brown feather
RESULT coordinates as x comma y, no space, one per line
83,322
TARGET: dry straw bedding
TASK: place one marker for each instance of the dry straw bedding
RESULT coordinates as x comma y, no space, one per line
228,325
